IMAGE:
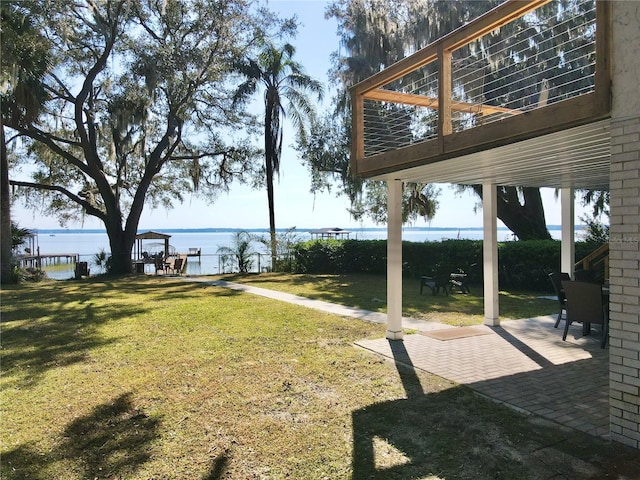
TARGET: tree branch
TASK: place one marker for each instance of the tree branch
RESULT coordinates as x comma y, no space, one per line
201,155
100,64
50,141
90,209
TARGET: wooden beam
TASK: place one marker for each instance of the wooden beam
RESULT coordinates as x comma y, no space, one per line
558,116
445,127
487,23
432,102
603,54
399,69
357,130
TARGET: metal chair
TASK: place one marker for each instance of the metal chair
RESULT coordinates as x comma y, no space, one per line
556,280
585,304
435,284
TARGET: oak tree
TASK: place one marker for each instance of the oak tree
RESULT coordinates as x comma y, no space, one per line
139,111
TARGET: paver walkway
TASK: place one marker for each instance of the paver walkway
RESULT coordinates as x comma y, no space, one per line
523,363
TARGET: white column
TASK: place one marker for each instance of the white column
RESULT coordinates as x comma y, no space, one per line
490,254
394,260
568,246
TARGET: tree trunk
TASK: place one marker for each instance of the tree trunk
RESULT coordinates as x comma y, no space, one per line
272,215
121,243
526,220
271,165
6,260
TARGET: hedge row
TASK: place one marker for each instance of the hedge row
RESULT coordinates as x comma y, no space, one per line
521,265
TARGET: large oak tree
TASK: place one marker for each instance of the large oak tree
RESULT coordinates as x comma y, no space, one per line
140,110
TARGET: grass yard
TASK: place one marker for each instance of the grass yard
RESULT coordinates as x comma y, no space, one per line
370,292
157,378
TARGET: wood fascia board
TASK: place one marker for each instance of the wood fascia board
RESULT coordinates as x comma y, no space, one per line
603,54
552,118
419,153
432,102
495,18
357,131
558,116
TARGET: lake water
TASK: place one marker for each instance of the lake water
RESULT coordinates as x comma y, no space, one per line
87,243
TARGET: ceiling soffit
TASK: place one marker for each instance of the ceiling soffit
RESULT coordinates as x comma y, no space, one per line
578,157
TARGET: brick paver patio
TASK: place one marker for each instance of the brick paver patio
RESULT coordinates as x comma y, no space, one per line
523,364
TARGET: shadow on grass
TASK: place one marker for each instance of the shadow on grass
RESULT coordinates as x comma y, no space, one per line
355,290
218,467
454,433
368,291
56,324
364,291
113,441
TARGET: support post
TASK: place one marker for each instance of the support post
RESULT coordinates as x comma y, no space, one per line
490,254
568,241
394,260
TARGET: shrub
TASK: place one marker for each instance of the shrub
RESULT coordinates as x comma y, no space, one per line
28,274
521,265
103,260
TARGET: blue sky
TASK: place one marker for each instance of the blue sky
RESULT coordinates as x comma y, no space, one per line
295,206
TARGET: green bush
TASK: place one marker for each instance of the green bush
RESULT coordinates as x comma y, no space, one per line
28,274
521,265
341,256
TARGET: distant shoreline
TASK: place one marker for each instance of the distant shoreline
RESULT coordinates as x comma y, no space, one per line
55,231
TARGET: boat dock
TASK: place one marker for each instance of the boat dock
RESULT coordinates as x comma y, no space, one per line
29,260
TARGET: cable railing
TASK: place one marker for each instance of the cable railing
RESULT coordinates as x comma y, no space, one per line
521,59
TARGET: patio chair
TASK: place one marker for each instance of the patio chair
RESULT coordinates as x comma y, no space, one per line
584,276
585,304
160,264
81,270
176,268
556,280
435,284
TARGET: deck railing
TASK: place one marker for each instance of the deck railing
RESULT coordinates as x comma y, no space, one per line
475,88
598,260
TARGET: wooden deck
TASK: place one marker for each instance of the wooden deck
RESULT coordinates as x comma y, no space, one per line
46,259
379,150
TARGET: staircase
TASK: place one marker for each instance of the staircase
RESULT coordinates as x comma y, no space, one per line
598,261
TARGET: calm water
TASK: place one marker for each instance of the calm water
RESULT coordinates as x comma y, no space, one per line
88,243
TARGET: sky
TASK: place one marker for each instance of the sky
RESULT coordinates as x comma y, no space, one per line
295,206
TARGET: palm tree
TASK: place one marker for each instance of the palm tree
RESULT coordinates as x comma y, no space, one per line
286,88
241,249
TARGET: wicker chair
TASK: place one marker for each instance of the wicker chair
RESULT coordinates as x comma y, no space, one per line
585,304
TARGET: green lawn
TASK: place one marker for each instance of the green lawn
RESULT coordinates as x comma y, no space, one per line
369,292
158,378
